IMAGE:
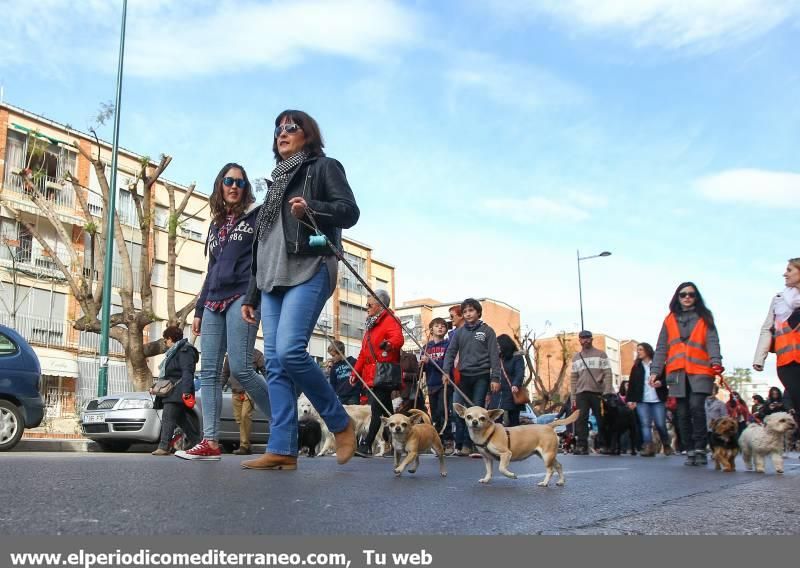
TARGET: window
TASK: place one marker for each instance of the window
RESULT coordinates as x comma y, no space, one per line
161,216
159,277
7,347
190,280
126,208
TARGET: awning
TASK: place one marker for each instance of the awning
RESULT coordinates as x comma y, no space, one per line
38,134
57,363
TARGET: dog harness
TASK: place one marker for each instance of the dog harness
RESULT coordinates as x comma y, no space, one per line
486,445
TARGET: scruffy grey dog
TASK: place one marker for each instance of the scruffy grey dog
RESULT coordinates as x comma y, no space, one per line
759,441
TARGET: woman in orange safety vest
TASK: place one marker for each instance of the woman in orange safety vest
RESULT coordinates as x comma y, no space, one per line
688,350
780,333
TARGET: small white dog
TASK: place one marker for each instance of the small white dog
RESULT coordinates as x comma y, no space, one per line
759,441
360,414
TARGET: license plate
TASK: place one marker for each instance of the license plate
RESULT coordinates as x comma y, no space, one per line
94,418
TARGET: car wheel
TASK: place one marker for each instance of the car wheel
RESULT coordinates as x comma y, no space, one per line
114,445
11,425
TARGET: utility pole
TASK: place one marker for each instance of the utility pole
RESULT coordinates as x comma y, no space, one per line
105,321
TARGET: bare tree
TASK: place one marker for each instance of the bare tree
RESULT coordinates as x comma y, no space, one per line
530,344
128,326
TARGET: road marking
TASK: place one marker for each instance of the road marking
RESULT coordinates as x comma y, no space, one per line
525,475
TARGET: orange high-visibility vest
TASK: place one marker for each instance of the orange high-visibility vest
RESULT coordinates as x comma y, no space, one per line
690,355
787,343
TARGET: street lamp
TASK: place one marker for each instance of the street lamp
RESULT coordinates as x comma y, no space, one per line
580,290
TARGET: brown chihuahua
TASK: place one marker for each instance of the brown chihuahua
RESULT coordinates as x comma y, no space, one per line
412,438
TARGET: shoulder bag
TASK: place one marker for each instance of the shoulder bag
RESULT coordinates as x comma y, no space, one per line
162,387
519,397
387,375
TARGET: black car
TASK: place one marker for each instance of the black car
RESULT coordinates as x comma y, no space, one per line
21,405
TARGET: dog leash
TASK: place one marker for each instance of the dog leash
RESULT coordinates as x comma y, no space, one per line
319,239
353,369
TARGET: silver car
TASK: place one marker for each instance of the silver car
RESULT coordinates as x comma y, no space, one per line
118,421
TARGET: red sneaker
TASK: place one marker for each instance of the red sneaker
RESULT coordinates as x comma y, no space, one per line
202,451
176,439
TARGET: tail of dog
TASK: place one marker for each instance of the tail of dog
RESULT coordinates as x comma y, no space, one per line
564,421
423,416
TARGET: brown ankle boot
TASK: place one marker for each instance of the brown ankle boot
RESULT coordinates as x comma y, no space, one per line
648,451
271,461
345,443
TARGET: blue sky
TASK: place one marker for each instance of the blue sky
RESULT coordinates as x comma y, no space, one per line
486,141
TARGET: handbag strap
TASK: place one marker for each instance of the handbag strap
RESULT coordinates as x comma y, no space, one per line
369,344
586,366
505,375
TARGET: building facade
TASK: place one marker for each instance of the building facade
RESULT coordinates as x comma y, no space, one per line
35,297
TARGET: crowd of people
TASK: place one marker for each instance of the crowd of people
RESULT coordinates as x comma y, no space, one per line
276,264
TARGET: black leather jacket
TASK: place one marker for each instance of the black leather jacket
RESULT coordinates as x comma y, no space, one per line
322,183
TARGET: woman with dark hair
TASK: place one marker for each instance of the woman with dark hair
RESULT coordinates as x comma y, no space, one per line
774,403
512,371
780,333
688,354
217,315
292,278
737,410
178,367
622,391
647,397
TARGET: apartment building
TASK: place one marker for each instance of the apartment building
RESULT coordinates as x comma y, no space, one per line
35,298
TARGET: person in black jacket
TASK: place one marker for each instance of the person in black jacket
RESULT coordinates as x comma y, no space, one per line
774,403
292,276
178,366
647,396
512,376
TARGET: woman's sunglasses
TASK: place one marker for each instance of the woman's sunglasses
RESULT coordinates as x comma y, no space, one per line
688,294
290,128
229,182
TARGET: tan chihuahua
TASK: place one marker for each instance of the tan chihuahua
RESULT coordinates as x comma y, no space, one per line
412,438
495,442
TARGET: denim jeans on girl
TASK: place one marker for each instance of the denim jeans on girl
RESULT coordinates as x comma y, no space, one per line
221,333
649,413
288,317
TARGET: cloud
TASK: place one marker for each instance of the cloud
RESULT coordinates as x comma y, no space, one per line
703,25
534,210
511,83
752,186
172,40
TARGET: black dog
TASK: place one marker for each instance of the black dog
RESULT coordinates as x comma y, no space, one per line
309,435
616,420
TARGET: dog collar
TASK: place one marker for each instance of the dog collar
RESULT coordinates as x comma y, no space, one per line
486,445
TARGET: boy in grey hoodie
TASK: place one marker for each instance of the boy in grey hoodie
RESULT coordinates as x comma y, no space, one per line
475,343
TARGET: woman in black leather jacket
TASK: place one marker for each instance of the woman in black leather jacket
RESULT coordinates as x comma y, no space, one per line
292,278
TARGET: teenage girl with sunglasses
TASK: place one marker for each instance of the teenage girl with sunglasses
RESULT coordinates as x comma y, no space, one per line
217,317
688,350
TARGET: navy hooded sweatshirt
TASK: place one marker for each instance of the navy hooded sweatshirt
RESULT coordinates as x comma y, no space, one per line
228,264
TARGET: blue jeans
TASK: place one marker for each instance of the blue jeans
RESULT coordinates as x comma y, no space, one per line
221,333
649,413
288,317
475,387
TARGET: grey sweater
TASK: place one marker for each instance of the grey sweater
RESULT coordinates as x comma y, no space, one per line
477,352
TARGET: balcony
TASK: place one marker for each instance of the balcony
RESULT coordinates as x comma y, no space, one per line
57,192
40,331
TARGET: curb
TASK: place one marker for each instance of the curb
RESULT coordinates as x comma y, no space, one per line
54,445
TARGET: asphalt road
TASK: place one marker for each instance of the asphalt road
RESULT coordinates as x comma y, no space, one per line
137,494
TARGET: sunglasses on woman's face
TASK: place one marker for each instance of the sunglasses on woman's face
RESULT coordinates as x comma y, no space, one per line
688,295
290,128
229,182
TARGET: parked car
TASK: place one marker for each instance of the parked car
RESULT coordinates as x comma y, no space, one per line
118,421
527,416
21,404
